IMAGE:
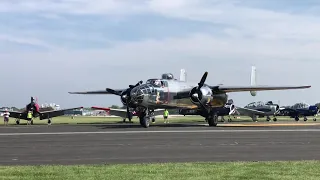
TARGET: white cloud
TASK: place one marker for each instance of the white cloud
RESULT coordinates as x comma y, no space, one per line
283,46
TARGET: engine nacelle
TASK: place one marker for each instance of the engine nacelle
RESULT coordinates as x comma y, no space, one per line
205,95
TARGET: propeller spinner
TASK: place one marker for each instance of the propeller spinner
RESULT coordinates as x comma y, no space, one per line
196,93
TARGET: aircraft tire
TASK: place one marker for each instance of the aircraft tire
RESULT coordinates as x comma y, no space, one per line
31,122
296,119
17,122
275,119
314,119
213,120
49,121
145,121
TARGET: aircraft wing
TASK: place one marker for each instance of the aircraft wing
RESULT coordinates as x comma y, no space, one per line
55,113
118,91
17,114
248,112
227,89
115,112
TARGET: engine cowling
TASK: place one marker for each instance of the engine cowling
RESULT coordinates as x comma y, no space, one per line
204,95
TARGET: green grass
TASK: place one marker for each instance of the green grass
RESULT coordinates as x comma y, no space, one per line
105,120
306,170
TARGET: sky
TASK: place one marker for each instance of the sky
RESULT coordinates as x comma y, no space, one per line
51,47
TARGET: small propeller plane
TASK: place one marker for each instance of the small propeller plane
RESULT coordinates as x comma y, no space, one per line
299,110
169,93
37,112
259,109
124,113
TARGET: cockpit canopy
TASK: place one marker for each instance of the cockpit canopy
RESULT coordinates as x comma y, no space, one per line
255,104
157,82
300,106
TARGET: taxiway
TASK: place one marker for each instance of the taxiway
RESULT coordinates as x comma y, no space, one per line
97,144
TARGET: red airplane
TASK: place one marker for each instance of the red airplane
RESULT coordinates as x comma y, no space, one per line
124,113
42,113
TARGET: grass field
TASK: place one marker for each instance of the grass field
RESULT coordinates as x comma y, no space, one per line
306,170
100,120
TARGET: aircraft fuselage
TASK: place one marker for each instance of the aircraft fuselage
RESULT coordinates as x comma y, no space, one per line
166,95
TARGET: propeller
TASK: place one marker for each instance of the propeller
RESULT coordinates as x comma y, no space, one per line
197,92
125,95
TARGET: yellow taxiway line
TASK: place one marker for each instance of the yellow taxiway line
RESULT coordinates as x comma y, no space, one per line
274,124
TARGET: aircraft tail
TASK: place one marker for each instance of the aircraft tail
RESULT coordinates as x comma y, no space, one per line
183,75
253,80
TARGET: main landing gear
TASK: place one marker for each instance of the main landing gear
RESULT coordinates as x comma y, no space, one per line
212,118
145,118
269,119
18,121
304,118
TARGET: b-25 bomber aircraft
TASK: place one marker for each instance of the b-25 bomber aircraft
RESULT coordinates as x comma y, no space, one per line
34,107
201,98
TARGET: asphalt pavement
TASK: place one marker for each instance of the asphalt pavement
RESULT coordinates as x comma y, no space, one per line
108,144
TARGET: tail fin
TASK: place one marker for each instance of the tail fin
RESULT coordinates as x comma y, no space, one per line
253,80
183,75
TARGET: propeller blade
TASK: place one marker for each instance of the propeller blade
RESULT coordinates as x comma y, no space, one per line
203,79
140,82
112,91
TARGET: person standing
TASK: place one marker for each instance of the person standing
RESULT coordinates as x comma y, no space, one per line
29,117
6,115
165,116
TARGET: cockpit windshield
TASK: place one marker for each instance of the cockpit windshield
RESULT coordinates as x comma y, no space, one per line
255,104
155,82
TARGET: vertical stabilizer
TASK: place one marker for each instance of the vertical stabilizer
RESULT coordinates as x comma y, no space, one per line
183,75
253,80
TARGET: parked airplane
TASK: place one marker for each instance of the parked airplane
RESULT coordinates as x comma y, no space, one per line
259,109
169,93
123,113
37,112
299,110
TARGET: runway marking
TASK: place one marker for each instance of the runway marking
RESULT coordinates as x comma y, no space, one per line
168,131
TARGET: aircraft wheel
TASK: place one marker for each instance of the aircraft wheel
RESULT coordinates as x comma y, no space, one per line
124,120
268,119
305,119
274,119
213,120
17,122
296,119
314,119
153,119
145,121
31,122
49,121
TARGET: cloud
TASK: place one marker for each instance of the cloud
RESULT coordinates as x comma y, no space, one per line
83,45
